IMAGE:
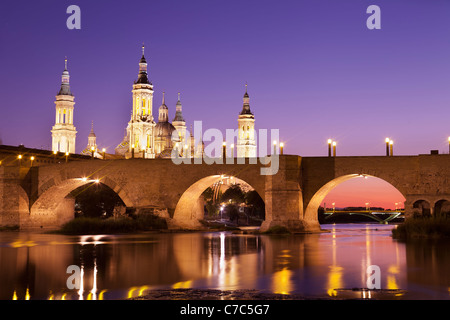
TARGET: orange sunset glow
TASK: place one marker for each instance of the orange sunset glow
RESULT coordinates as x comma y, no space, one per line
358,192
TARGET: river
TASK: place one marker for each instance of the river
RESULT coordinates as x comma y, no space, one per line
35,265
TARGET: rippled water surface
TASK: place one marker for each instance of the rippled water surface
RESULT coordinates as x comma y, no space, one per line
34,266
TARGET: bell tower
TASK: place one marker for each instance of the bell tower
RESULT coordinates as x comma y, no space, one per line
140,129
64,132
246,143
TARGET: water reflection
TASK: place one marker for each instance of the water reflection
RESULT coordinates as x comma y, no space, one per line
34,266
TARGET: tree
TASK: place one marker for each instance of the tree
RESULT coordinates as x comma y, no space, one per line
256,203
96,200
233,193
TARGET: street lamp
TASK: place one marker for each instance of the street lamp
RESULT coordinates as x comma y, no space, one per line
20,159
274,147
334,206
132,151
232,150
92,152
54,155
449,145
31,160
224,149
329,147
387,140
67,157
281,148
104,153
391,145
334,148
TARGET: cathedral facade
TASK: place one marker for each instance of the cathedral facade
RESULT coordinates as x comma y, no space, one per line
146,138
147,135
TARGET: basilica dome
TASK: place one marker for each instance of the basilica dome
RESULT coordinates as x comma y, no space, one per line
164,129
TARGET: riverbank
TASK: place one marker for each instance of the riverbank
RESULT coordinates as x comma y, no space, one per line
150,222
426,228
251,294
144,222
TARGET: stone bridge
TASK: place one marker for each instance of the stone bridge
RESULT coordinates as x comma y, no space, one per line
38,197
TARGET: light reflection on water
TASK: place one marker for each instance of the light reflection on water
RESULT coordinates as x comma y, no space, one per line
33,266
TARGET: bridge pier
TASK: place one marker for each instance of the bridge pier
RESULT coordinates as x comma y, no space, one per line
284,199
14,205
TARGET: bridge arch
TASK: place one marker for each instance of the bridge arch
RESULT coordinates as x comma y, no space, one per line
441,208
55,206
421,208
316,200
189,209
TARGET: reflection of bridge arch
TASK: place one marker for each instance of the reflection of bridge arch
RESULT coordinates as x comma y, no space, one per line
319,196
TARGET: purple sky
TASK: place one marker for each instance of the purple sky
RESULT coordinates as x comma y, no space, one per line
313,69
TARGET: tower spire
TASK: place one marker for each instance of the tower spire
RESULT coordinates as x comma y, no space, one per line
142,76
65,81
178,111
163,99
92,128
246,106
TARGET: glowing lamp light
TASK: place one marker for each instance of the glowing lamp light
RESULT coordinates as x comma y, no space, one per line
97,180
387,140
84,179
19,156
103,150
330,141
32,158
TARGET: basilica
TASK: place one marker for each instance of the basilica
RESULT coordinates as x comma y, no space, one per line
145,137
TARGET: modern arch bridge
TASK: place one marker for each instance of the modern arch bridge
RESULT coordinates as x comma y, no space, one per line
37,197
366,213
